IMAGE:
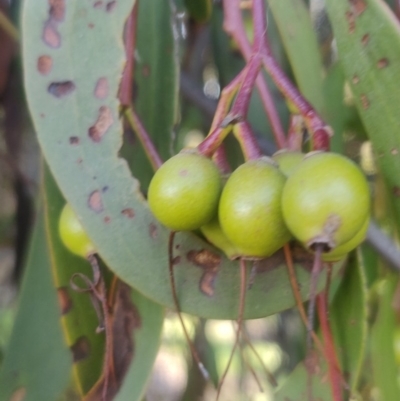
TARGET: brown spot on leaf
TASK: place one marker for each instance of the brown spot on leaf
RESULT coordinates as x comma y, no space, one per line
102,124
183,173
364,101
18,395
210,262
110,6
44,64
153,230
64,300
394,152
204,259
51,36
95,202
74,140
107,219
80,349
351,21
57,10
91,25
382,63
101,90
365,39
61,89
355,79
176,260
42,115
125,320
396,191
358,6
207,281
128,212
98,4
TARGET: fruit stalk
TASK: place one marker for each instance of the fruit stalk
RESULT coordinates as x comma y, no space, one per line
333,364
233,26
144,138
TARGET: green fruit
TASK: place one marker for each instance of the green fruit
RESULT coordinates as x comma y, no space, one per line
325,200
342,250
250,209
288,160
214,234
73,235
184,192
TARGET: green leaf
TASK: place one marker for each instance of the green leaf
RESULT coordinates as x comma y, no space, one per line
383,357
295,386
349,315
146,343
368,41
295,28
200,10
37,363
79,318
71,91
157,82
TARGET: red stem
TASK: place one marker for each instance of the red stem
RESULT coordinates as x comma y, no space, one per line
144,138
125,89
233,25
221,160
260,25
321,133
213,141
250,148
241,106
335,375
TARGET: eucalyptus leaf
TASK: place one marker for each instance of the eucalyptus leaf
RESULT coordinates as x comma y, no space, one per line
72,67
36,351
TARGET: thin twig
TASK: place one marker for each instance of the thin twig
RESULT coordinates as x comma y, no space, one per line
335,375
316,270
239,322
194,93
8,27
195,355
144,138
233,25
252,371
268,374
125,88
384,245
297,295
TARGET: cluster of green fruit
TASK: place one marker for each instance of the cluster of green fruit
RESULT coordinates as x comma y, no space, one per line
320,198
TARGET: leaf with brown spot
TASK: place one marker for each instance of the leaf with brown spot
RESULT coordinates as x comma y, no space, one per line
51,37
103,123
372,53
129,318
101,90
44,64
126,245
95,202
81,320
61,89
